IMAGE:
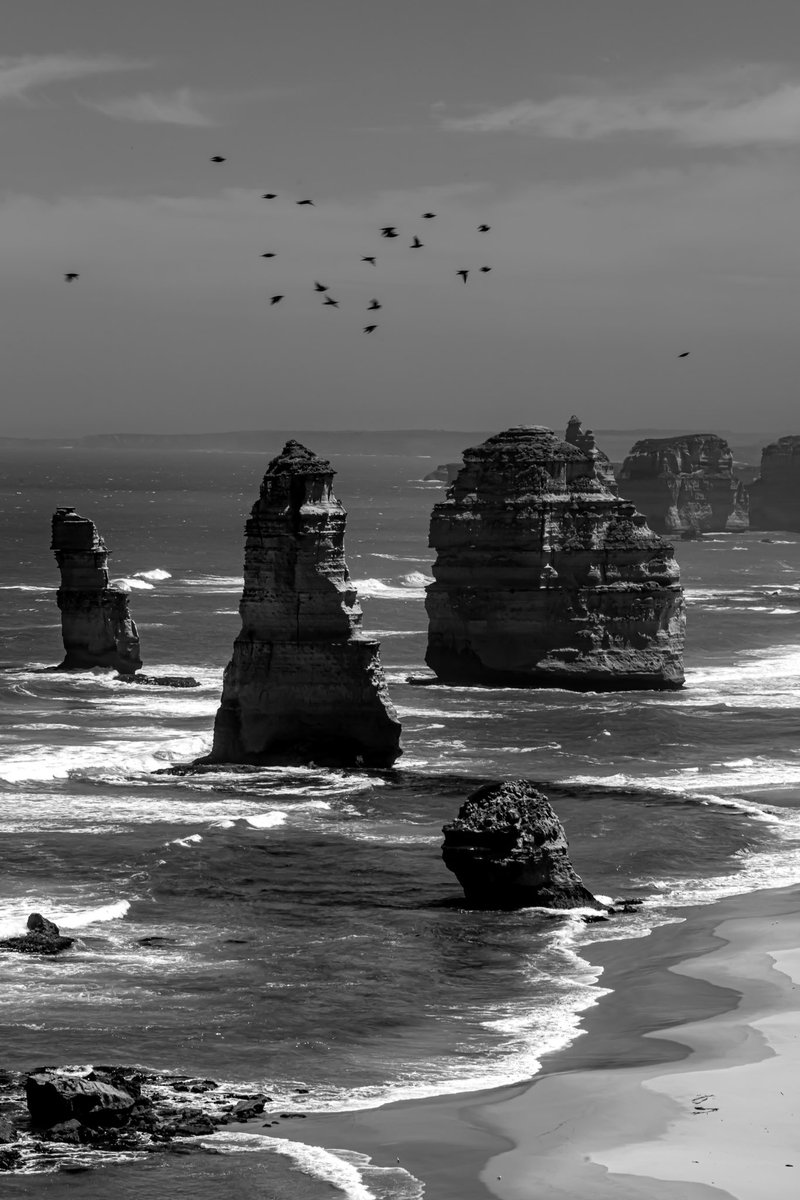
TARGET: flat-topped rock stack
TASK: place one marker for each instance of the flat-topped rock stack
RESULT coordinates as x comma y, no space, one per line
775,496
96,624
304,683
685,484
544,577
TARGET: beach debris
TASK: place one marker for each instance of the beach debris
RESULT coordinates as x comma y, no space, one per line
508,850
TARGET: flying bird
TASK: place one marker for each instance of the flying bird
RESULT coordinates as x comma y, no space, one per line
311,202
275,299
218,158
269,254
321,287
368,258
389,231
370,328
428,216
270,196
484,228
373,305
484,269
463,275
685,354
70,276
330,300
416,244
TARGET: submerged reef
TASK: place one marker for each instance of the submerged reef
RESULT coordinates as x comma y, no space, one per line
545,577
304,683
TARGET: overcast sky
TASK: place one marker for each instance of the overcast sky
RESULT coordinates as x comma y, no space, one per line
638,162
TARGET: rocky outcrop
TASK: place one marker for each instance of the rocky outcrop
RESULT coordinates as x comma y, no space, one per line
444,473
685,484
544,577
775,496
96,623
508,849
43,937
304,683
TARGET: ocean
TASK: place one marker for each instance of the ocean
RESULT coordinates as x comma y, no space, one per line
295,931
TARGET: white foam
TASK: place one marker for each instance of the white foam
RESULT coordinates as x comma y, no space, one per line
269,820
311,1160
14,914
130,585
156,574
187,842
379,589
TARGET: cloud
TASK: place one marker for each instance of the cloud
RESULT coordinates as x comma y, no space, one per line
745,107
181,107
21,75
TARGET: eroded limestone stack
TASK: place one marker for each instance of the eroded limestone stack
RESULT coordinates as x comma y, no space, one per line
544,577
304,683
685,484
96,623
508,849
775,496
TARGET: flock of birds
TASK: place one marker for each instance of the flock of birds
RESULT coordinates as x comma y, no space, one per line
386,231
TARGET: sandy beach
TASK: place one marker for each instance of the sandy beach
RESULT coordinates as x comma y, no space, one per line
685,1084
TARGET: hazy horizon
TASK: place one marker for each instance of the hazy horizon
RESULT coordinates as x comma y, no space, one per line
637,165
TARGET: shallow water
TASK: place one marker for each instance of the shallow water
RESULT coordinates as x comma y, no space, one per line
311,936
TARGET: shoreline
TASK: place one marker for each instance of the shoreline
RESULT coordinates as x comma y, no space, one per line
696,1009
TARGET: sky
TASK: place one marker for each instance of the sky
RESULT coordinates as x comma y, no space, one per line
638,163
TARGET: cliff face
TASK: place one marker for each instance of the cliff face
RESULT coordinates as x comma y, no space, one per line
775,497
304,684
685,484
96,623
544,577
508,850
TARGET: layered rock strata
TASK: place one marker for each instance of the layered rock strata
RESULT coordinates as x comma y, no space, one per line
775,496
508,849
304,683
96,624
544,577
685,484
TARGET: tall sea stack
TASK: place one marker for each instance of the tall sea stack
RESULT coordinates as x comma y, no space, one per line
96,623
544,577
775,496
304,683
685,484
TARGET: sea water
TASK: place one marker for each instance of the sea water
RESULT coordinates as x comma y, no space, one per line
308,939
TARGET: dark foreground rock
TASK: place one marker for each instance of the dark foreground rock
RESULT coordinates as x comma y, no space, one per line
508,850
43,937
112,1108
171,681
96,624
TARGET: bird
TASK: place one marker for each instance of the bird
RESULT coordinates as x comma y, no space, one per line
368,258
416,244
685,354
321,287
330,300
269,254
370,328
484,228
428,216
484,269
389,231
373,305
463,275
275,299
269,196
218,158
311,202
71,276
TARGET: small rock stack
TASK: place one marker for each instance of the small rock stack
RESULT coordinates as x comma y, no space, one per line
96,624
304,683
775,496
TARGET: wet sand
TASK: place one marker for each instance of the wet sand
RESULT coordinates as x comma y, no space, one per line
685,1085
